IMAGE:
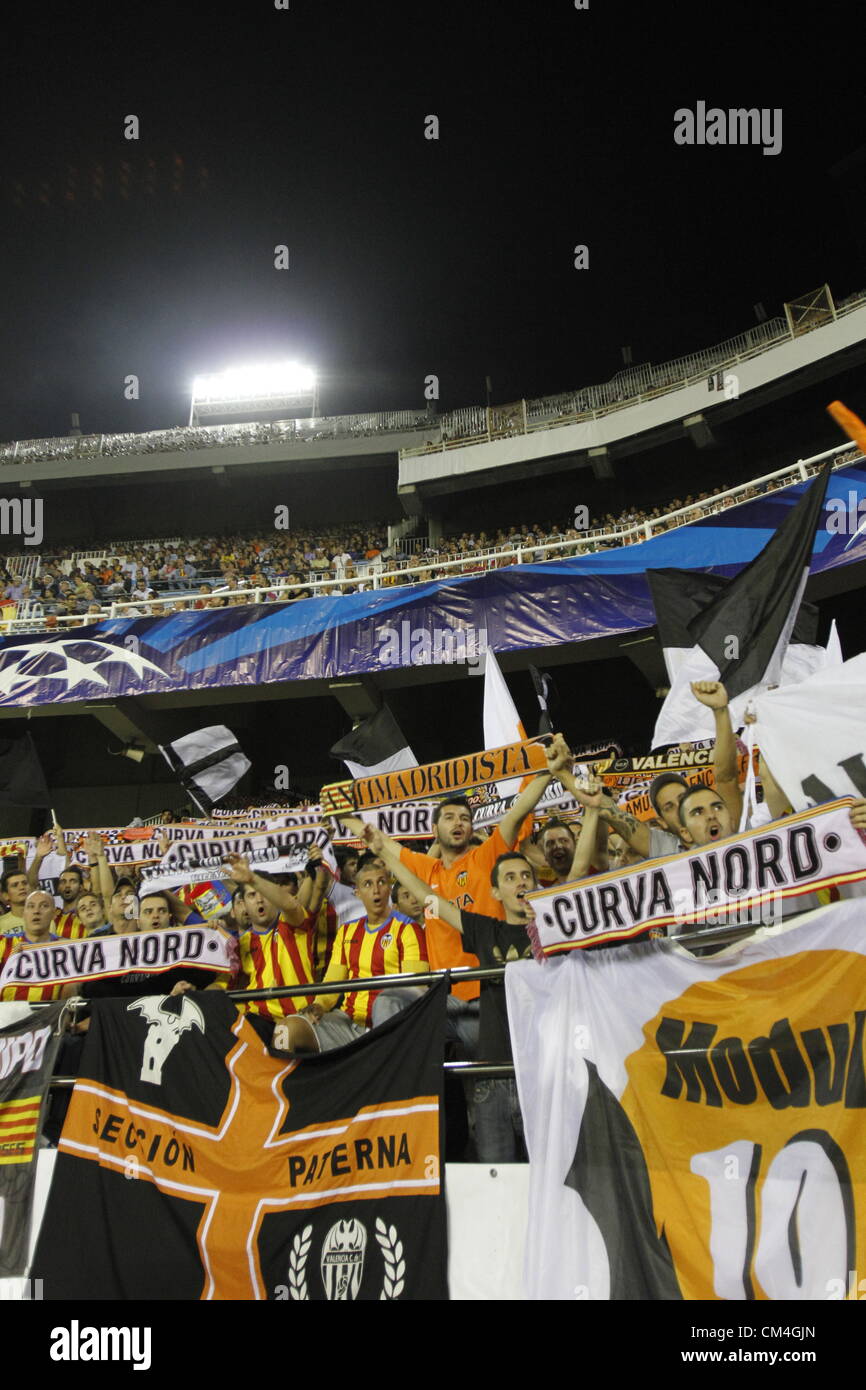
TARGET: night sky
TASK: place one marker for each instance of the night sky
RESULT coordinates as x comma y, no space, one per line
408,256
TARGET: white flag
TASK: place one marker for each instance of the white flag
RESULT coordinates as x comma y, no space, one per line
813,735
683,719
502,724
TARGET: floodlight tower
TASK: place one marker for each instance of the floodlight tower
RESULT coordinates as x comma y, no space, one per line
285,390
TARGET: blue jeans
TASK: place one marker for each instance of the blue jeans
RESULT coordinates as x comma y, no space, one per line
498,1122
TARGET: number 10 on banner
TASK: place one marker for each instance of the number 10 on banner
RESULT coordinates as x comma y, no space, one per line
804,1210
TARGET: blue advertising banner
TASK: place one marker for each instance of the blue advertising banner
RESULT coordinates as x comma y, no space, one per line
446,620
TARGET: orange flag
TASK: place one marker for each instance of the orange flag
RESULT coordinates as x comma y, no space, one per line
849,422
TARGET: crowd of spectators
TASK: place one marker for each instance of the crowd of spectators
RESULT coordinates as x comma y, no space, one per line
169,576
382,908
198,573
206,572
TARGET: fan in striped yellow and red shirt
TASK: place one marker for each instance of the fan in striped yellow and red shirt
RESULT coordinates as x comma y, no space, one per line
38,920
281,956
27,994
395,947
68,926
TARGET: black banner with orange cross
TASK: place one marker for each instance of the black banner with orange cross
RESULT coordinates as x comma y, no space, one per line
195,1163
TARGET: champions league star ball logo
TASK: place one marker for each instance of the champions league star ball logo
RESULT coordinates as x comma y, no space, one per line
70,662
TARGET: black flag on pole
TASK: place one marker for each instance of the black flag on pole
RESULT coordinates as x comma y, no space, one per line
22,781
547,696
680,596
375,745
759,606
739,631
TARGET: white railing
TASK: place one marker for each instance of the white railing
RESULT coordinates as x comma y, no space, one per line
478,561
475,424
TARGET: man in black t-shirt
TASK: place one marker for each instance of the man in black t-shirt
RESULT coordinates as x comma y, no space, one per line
498,1122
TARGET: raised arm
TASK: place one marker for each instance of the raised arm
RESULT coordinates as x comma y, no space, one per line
778,802
559,760
443,909
714,695
358,827
633,831
102,883
44,846
180,910
389,850
584,849
311,890
62,846
281,897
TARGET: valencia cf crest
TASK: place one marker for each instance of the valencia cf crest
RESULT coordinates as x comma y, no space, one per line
343,1260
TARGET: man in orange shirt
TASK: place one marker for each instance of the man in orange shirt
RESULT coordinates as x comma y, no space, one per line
462,874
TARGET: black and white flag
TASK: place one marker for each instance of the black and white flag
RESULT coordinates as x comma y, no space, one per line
744,632
208,764
195,1163
375,745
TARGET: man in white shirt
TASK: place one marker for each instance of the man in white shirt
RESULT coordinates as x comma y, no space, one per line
340,562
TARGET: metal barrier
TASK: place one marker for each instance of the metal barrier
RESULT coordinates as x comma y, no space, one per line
522,554
473,425
717,936
375,982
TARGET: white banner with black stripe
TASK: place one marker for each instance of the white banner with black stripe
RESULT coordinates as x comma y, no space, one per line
740,881
97,957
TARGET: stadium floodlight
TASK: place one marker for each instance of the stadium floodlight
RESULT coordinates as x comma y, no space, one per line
263,388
